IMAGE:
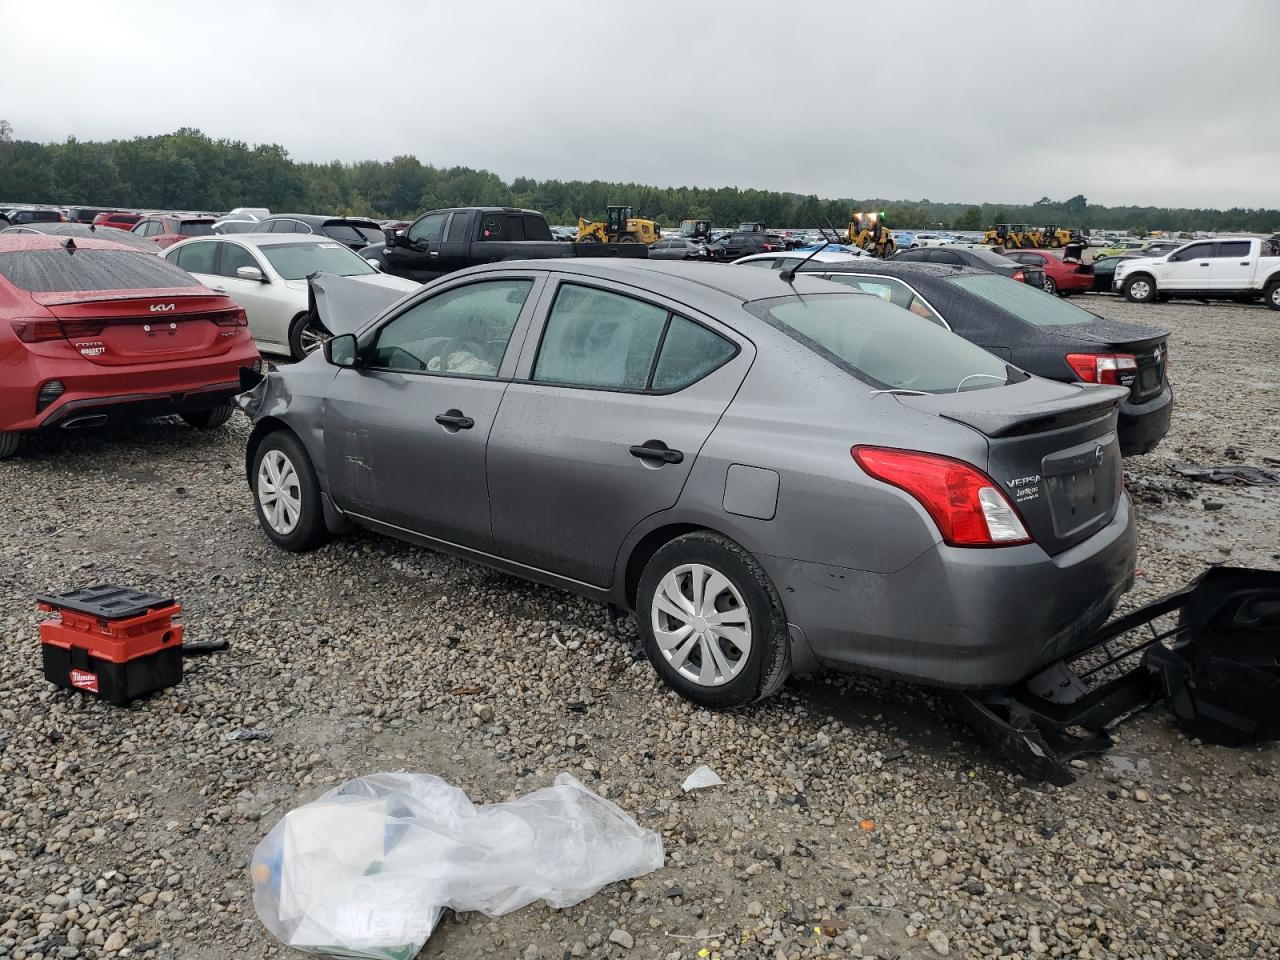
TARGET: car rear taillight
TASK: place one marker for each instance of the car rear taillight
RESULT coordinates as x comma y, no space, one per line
768,247
36,331
83,328
1020,276
968,507
1102,367
231,318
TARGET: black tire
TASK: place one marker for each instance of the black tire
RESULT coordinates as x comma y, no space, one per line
1271,296
211,418
1140,288
9,441
768,662
589,238
1050,286
309,530
305,326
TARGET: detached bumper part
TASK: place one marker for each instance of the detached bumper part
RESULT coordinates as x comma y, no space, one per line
1217,667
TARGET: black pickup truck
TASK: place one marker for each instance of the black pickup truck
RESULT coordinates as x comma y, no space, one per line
442,241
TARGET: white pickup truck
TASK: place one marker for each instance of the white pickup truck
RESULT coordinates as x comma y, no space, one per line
1229,267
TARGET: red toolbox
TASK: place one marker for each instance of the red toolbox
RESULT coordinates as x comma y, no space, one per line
117,643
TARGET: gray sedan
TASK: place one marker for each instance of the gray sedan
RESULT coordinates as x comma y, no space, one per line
775,476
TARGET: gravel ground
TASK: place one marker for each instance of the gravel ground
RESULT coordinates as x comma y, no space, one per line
857,817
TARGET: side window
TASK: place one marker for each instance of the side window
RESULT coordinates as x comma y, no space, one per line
945,256
463,331
914,255
1233,249
458,227
234,257
429,228
689,353
1197,251
767,262
198,257
595,338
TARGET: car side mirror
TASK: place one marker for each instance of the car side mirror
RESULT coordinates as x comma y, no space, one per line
342,351
376,264
250,273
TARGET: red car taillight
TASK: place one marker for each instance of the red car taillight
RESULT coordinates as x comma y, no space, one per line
231,318
1102,367
1020,276
968,507
36,331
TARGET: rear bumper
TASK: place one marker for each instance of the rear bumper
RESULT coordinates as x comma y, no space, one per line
1143,425
95,411
961,618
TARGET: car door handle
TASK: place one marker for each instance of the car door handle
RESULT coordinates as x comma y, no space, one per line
456,419
434,253
657,451
1204,264
218,289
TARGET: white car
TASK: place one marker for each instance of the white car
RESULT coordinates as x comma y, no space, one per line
1227,267
266,273
785,261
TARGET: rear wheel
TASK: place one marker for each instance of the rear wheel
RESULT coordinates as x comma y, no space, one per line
1140,289
1050,286
208,419
286,493
711,622
9,443
306,335
1271,297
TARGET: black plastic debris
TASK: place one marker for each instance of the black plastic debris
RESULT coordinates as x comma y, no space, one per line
1254,476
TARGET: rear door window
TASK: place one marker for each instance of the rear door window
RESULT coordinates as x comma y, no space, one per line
1233,248
56,271
197,257
502,226
596,338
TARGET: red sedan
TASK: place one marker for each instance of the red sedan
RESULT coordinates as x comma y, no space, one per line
114,218
93,331
1061,275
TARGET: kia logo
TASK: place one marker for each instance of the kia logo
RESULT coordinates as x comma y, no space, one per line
162,307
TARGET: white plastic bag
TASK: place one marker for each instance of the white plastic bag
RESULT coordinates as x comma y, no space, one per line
366,870
700,779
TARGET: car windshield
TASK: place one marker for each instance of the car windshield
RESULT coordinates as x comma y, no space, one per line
883,345
1028,304
57,271
195,228
297,261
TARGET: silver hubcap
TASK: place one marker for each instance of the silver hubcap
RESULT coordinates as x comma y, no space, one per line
279,492
312,338
701,624
1275,296
1141,289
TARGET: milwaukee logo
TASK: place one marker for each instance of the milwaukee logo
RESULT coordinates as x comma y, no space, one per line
84,680
163,307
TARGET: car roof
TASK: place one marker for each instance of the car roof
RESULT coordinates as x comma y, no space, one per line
259,239
85,230
822,256
315,219
18,242
705,281
898,268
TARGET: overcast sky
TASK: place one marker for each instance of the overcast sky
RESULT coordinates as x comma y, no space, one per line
1167,103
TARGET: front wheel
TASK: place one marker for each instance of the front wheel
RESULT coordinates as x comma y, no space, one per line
211,418
9,443
286,493
1140,289
711,622
1271,296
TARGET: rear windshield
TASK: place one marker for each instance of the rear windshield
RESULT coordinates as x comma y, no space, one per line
350,233
883,345
297,261
1028,304
195,228
57,271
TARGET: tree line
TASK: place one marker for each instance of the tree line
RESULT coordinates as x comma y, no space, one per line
187,170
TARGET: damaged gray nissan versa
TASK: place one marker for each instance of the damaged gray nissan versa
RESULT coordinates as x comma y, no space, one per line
775,473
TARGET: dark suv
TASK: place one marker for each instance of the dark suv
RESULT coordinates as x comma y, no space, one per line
355,232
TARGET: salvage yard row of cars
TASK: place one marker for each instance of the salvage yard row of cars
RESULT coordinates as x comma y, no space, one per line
629,429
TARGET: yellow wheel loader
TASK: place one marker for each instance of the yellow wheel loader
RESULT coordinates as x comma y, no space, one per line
618,226
870,232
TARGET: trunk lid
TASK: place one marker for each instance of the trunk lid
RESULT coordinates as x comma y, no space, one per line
1052,448
1148,345
125,328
